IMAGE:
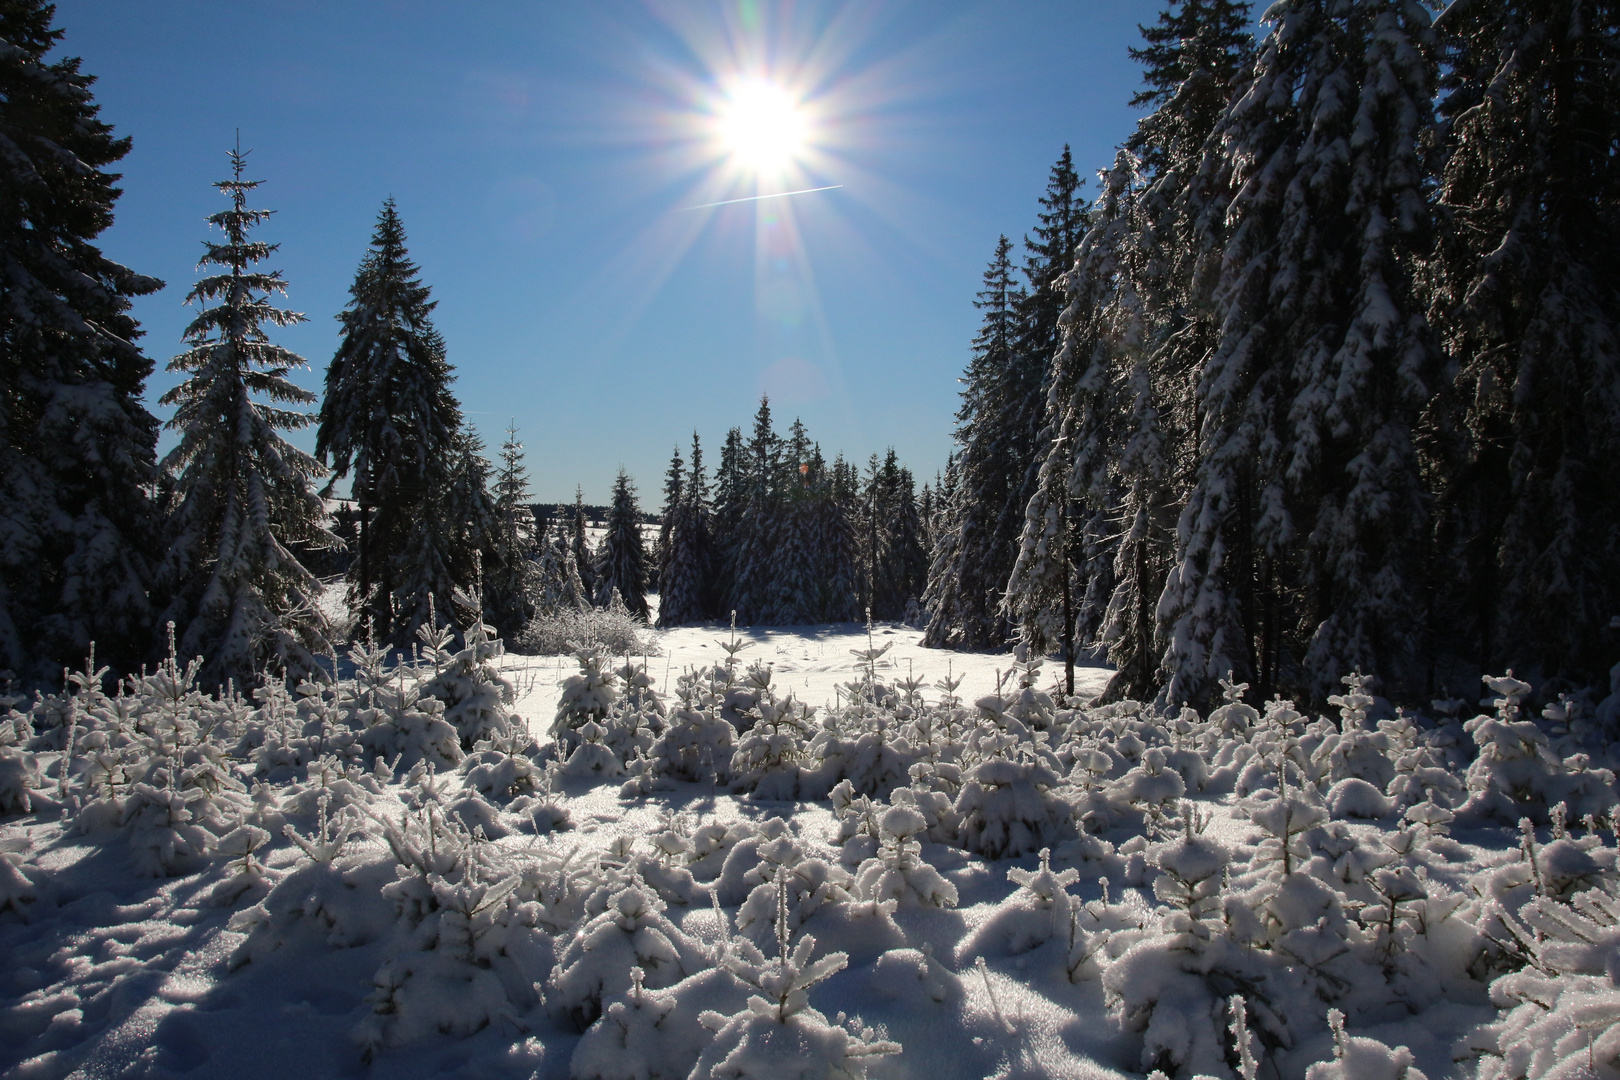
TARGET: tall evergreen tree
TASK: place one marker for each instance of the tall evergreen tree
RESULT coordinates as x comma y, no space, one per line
584,560
624,562
509,584
674,481
899,564
684,584
236,592
836,498
558,584
753,552
1529,296
77,448
389,420
730,496
1196,58
473,517
1301,545
797,563
966,586
1064,575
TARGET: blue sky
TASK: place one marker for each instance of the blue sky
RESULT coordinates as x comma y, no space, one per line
544,157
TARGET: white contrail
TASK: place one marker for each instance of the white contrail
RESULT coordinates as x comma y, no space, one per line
756,198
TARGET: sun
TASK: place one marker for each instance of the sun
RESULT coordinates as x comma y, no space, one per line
762,128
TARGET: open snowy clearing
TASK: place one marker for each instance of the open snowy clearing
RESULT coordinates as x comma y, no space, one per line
811,662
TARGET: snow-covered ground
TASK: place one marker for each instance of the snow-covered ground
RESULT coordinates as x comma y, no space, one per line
392,878
811,662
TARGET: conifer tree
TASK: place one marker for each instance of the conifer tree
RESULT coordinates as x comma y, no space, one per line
584,559
1529,297
674,481
835,543
1302,542
754,585
796,565
77,448
624,562
509,577
898,561
1063,577
390,422
558,586
731,494
1196,59
683,585
968,579
237,594
473,517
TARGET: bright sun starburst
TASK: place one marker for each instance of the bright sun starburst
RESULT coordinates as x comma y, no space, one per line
762,128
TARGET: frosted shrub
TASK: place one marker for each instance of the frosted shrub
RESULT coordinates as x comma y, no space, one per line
631,1040
19,781
165,836
341,902
501,769
766,760
1007,808
477,699
632,932
16,890
1191,867
779,1036
699,743
898,871
609,631
588,695
866,748
591,757
249,879
810,884
1038,912
1561,1012
399,723
1517,773
449,978
1358,1058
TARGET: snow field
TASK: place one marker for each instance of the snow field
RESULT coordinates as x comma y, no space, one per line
400,875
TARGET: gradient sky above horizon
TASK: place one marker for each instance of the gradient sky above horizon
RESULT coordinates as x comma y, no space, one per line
544,158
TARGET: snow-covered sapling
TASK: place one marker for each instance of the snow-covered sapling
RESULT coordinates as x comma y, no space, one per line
779,1035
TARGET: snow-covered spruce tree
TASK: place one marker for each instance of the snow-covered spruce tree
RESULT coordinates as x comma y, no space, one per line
730,498
559,586
1195,57
509,578
241,494
899,564
796,572
753,544
584,559
1002,417
674,482
1302,542
77,448
624,564
1063,576
390,423
472,509
1527,300
835,545
684,580
965,582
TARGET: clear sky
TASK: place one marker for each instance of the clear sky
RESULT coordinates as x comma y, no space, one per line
545,157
